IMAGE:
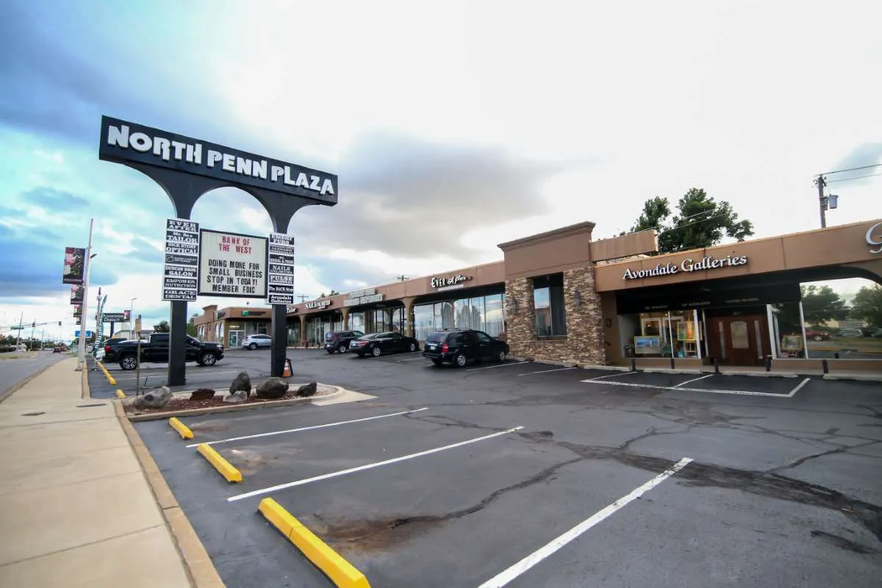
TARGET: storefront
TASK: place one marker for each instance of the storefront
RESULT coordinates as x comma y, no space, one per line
230,326
562,297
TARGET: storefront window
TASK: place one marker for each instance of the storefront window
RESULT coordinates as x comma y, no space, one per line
548,300
294,333
444,316
356,321
424,319
658,334
494,314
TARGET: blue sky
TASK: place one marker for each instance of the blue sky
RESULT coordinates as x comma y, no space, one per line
452,127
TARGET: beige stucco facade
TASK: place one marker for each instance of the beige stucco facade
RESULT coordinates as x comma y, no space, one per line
590,280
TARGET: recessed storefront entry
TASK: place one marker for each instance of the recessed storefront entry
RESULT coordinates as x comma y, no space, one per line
738,340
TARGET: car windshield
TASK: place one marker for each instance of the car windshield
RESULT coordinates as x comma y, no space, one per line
437,337
370,336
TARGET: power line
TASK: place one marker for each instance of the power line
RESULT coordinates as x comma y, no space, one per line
854,178
852,169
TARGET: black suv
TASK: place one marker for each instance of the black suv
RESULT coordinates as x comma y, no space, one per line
461,345
339,340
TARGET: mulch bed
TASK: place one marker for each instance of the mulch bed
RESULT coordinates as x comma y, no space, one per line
183,402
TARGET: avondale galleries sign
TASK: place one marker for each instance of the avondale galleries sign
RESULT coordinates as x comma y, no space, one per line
687,265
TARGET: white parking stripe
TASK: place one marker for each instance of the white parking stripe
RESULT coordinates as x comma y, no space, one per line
537,556
310,428
736,392
490,367
546,371
692,380
613,375
369,466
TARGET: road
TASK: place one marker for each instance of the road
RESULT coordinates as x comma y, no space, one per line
14,370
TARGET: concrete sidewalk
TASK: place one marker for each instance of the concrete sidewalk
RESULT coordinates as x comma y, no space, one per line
75,506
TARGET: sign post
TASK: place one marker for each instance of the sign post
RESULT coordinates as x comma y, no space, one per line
186,168
280,294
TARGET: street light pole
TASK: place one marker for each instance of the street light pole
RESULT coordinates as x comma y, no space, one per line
132,315
85,309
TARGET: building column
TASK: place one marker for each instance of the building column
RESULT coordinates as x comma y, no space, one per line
409,321
303,338
345,318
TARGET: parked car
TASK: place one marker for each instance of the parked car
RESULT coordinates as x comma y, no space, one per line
817,335
376,344
155,350
463,345
339,340
851,333
252,342
872,331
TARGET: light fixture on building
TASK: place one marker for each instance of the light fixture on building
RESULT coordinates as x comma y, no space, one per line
577,299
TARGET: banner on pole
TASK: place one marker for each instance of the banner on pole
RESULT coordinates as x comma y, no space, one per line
74,263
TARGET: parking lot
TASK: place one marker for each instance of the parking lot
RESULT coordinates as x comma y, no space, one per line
527,474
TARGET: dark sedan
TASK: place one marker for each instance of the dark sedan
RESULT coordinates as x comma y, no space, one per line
464,345
377,344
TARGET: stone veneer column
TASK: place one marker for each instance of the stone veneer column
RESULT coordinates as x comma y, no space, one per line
520,324
408,317
346,318
303,338
585,323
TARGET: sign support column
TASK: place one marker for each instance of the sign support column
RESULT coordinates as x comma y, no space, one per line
279,294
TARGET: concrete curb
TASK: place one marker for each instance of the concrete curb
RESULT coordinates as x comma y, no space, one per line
197,563
341,572
223,467
86,388
19,385
137,418
854,377
110,378
182,429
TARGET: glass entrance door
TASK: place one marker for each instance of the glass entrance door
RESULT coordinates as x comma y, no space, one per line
236,337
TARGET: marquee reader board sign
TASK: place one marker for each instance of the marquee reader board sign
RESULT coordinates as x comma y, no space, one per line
181,272
231,264
123,142
687,265
280,270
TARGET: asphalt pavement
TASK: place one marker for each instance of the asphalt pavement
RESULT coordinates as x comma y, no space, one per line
14,370
457,477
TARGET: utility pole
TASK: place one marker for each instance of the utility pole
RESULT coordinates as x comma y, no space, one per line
401,278
302,297
85,309
821,181
33,328
20,327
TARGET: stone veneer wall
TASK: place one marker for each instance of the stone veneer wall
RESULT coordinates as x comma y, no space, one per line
583,343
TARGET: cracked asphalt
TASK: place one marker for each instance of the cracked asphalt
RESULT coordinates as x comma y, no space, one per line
783,491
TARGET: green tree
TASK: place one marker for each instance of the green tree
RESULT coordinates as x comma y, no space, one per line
162,327
191,325
821,304
700,222
867,305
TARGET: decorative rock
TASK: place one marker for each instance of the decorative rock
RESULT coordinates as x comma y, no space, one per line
272,388
241,382
153,399
237,397
307,389
202,394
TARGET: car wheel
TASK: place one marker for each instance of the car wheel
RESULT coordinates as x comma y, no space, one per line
342,348
412,347
500,356
817,338
253,346
437,361
460,360
207,358
376,352
128,362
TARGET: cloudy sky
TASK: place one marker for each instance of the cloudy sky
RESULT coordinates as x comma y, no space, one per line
453,126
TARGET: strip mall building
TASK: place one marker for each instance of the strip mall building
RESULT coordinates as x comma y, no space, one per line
562,297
